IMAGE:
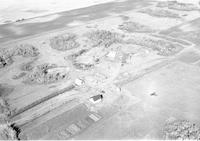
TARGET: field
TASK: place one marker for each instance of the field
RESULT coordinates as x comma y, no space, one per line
142,57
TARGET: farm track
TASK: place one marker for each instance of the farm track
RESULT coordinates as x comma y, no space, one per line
50,96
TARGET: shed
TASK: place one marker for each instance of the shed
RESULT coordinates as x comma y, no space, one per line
96,98
111,55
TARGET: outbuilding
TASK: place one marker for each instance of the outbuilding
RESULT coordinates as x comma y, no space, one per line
96,99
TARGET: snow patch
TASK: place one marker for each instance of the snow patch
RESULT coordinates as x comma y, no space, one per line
12,10
40,19
75,23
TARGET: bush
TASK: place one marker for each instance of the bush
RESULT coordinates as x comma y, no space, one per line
64,42
47,73
160,13
27,66
26,50
7,132
5,61
5,110
75,55
163,47
177,6
104,38
182,6
83,66
134,27
182,130
5,57
45,66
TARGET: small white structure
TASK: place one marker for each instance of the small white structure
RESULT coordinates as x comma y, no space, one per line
111,55
79,82
95,117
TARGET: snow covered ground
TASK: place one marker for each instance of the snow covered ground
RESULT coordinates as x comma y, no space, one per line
195,2
12,10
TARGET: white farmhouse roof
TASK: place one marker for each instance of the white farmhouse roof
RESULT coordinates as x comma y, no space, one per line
111,55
